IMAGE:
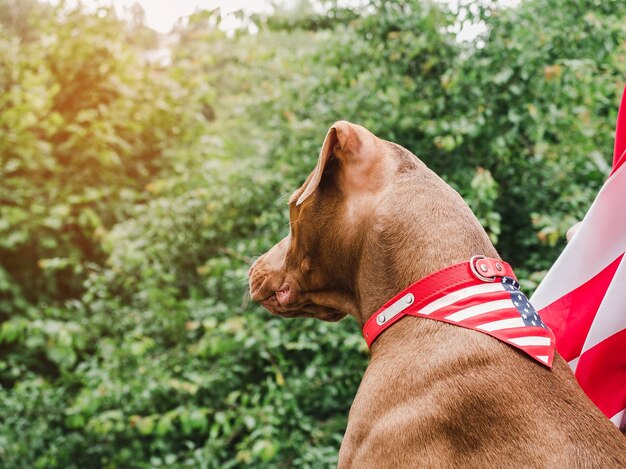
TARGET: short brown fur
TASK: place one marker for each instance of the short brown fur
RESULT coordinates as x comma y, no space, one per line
370,220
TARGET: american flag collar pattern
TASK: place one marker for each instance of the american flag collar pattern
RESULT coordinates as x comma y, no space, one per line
482,295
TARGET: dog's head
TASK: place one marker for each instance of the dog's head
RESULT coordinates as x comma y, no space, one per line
311,271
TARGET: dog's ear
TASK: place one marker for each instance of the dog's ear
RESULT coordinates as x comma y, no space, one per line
343,140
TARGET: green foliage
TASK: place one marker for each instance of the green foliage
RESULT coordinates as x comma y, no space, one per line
545,89
84,126
135,196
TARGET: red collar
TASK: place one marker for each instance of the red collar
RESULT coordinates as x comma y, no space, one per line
483,295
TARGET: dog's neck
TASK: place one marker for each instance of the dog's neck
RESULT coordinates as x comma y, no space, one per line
406,243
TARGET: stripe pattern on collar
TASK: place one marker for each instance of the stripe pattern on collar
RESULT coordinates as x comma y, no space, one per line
492,306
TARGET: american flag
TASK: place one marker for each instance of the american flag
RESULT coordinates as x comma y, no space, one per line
583,296
498,309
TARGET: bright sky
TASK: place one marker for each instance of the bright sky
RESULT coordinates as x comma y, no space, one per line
162,14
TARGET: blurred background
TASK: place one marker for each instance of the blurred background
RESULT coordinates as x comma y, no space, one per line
147,152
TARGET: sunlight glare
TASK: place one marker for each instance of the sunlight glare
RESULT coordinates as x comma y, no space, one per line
161,15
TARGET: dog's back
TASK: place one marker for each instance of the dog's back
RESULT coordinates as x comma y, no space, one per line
483,405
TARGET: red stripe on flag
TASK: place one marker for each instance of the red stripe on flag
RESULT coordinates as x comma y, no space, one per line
601,372
498,315
570,317
470,301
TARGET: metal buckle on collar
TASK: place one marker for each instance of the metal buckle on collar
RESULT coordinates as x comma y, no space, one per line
484,268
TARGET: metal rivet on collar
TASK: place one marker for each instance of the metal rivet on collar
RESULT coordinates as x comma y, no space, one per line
475,268
499,267
380,319
408,299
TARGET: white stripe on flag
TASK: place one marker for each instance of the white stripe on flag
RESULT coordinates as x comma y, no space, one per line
543,358
480,309
610,318
618,418
502,324
598,242
458,295
530,340
573,364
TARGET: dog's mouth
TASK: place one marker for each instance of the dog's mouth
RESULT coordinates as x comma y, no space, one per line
282,295
279,298
281,303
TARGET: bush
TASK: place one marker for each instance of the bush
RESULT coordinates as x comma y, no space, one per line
85,124
135,197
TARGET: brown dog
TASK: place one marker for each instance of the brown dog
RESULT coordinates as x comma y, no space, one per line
370,220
